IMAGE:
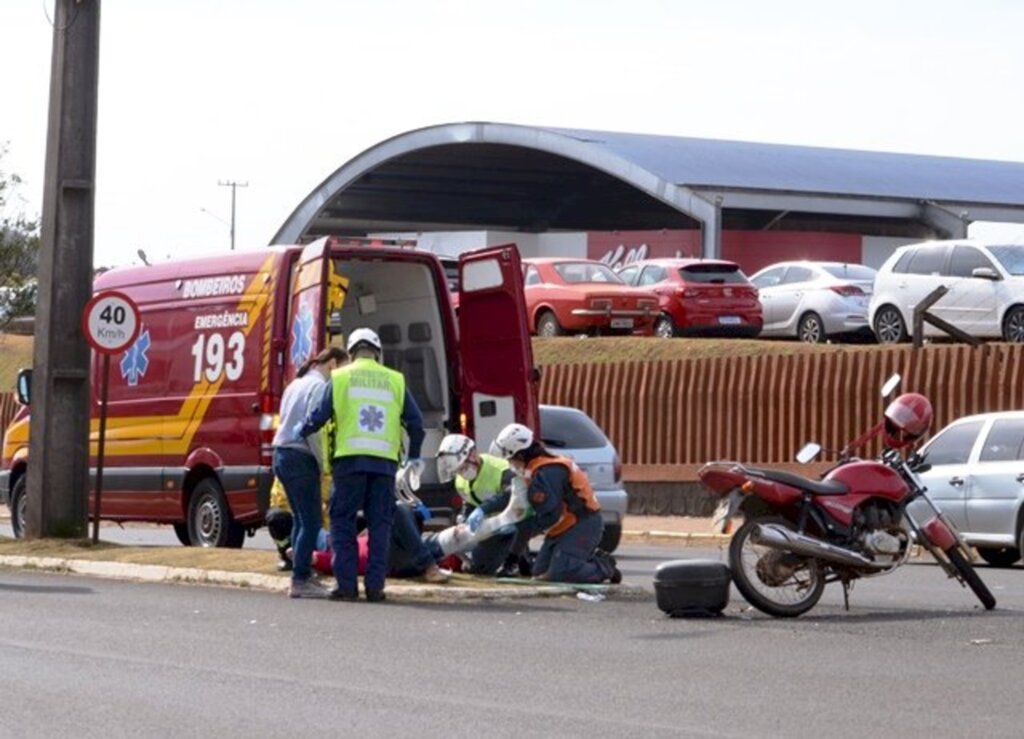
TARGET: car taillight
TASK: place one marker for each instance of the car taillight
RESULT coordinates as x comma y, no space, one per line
617,469
647,305
688,293
601,304
847,291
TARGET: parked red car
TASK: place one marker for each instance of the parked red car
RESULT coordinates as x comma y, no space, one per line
698,297
575,296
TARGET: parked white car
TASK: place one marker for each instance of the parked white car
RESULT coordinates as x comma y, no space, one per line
813,301
977,479
986,289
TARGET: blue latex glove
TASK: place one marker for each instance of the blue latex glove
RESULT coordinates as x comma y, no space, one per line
417,465
475,519
422,509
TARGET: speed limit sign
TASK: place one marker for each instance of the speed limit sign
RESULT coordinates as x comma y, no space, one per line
110,322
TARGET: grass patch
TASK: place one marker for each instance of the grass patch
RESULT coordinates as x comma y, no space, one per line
15,353
229,560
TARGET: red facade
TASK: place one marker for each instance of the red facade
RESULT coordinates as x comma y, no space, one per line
752,250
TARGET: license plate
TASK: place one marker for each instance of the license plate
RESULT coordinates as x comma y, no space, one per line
622,323
730,320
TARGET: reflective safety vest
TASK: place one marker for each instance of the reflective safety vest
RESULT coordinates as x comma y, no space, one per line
487,482
368,400
581,498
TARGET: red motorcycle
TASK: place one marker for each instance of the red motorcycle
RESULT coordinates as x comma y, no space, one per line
800,534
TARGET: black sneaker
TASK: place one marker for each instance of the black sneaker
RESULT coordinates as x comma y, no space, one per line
375,596
347,595
285,565
609,565
525,565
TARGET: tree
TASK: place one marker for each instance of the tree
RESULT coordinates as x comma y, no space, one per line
19,251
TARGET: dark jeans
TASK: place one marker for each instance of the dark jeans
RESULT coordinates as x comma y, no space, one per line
410,555
489,555
570,557
300,476
373,494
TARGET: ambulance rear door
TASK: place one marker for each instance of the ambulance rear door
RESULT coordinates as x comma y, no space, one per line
499,381
308,315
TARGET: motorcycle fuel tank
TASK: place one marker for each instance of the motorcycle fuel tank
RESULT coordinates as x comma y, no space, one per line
872,479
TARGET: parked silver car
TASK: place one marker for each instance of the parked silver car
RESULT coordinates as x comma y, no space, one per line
977,479
813,301
572,432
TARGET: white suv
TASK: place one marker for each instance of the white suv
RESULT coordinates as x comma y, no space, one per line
986,289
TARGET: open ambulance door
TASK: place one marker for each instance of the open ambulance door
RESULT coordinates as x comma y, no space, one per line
307,330
499,382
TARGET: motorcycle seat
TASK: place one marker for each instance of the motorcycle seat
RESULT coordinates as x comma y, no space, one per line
818,487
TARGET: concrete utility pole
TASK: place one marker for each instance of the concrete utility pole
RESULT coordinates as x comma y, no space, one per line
234,186
58,474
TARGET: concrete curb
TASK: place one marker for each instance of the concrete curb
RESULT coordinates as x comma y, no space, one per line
685,539
403,592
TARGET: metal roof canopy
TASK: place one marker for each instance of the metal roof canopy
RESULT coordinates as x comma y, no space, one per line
477,176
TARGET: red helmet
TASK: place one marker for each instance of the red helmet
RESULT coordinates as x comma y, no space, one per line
907,419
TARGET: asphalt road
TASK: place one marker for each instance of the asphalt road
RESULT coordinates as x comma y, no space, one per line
914,657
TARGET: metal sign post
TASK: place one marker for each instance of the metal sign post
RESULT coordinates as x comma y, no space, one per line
110,323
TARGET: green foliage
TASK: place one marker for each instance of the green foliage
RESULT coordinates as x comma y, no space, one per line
19,250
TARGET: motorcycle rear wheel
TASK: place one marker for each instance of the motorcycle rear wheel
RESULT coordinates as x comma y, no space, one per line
797,592
970,576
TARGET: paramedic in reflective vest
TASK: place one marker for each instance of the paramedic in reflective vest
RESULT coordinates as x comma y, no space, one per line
370,404
564,508
482,481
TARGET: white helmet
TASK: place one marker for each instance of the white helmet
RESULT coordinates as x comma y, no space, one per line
512,439
452,454
363,337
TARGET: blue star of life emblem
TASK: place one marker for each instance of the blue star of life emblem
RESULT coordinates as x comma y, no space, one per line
371,418
302,336
135,362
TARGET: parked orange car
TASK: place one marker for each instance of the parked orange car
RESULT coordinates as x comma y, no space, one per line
581,296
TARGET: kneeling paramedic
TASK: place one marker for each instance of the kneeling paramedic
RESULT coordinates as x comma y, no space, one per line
564,508
482,480
369,403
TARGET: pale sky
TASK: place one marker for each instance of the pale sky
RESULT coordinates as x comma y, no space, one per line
280,94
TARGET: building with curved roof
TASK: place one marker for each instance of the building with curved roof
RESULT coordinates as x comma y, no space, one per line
496,177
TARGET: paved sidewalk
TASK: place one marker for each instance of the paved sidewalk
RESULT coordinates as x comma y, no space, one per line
685,530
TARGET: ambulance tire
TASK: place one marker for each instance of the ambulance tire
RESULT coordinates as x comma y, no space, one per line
181,531
210,523
18,505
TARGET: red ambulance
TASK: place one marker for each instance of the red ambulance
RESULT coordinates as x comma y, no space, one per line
192,402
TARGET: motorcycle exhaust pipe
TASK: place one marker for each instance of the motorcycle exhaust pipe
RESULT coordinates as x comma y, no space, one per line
779,537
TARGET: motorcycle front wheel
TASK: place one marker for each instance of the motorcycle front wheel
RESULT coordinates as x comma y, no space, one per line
776,582
970,576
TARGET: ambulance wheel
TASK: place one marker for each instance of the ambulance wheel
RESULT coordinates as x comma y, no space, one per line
181,531
209,519
611,538
17,507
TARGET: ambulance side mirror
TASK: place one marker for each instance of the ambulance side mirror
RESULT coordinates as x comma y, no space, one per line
24,386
